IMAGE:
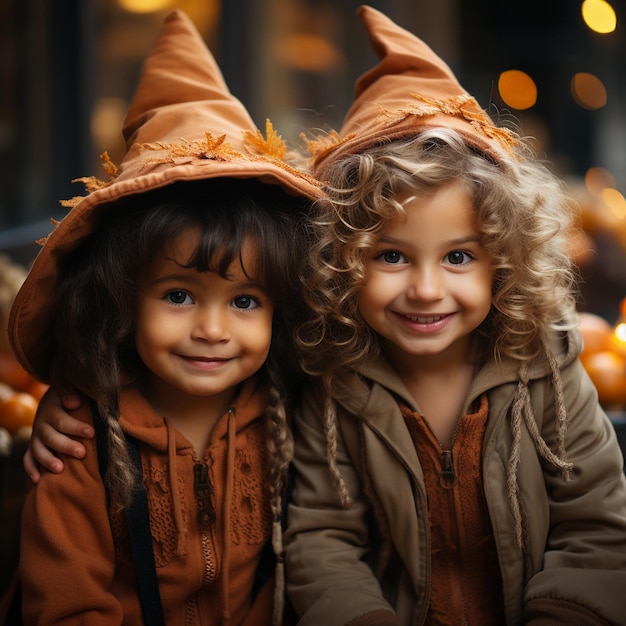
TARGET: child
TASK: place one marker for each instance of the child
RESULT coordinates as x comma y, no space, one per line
476,479
166,297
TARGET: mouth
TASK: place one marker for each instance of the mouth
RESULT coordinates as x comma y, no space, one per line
205,362
424,319
425,324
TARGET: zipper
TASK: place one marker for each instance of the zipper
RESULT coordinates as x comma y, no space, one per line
447,477
203,490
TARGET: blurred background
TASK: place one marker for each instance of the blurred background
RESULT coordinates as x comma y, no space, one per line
68,68
553,68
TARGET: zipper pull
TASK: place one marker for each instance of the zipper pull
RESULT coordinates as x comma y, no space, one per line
203,490
448,477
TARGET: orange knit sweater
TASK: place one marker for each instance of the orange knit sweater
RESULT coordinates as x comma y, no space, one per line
466,581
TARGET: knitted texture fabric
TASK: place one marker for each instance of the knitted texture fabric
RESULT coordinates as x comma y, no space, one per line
466,581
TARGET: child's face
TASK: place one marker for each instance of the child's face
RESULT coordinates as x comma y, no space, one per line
428,279
197,333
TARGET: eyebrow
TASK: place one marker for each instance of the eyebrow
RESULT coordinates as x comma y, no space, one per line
166,278
453,242
186,279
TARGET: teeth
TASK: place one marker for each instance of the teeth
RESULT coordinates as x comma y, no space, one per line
424,320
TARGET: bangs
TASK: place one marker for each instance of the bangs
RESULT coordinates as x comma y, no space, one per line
225,224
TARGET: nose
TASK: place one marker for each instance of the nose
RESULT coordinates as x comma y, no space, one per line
210,324
426,284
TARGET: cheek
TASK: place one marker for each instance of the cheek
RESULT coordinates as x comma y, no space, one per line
379,290
260,338
370,304
144,344
479,291
151,333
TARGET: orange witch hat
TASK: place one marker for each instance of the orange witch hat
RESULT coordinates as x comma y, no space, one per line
410,90
183,125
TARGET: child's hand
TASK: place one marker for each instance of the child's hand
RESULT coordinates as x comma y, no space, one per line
52,431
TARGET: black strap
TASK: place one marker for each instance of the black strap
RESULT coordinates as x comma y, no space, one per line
138,518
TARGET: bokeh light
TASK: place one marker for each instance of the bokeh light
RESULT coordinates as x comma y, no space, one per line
309,53
615,201
597,179
144,6
517,89
106,120
588,91
599,16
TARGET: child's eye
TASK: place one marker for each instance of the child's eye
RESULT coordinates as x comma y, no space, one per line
458,257
178,297
391,256
246,303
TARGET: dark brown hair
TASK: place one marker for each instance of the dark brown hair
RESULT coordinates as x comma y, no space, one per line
94,347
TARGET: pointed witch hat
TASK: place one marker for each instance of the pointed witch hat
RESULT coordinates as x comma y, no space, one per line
183,125
410,90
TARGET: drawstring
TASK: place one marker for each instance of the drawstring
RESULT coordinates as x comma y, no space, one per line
178,514
228,498
522,410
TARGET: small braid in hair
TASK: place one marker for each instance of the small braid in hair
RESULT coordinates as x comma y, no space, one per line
120,475
330,430
513,466
280,448
562,417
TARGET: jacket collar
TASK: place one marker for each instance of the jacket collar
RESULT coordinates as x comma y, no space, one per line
139,419
565,346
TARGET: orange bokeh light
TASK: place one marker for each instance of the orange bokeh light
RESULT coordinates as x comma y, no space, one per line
517,89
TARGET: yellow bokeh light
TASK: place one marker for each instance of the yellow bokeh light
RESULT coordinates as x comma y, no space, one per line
620,332
615,201
144,6
517,89
599,16
588,91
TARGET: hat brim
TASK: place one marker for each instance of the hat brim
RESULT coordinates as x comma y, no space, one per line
31,313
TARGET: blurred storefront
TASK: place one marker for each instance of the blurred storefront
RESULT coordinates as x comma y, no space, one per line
68,69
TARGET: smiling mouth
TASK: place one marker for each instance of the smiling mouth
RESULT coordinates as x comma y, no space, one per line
206,361
425,319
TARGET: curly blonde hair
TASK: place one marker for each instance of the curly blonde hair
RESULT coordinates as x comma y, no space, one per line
523,218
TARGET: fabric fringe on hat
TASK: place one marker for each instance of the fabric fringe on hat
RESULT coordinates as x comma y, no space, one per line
258,148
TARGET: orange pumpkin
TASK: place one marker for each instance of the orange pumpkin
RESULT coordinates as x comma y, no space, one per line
17,410
596,333
607,370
